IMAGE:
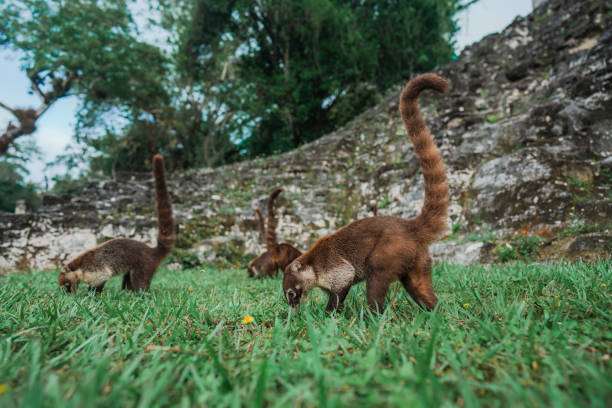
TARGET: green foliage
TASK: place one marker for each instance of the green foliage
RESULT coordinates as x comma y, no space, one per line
578,228
524,247
506,252
384,203
528,245
576,182
184,257
67,184
240,78
314,65
492,118
13,187
267,76
86,48
455,228
514,335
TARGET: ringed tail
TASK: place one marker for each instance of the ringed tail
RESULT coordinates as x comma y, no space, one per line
262,227
431,222
165,222
271,244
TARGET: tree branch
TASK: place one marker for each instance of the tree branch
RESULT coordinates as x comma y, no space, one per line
37,90
27,125
8,108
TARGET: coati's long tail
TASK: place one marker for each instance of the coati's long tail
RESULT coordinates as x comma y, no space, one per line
262,227
431,222
165,223
271,244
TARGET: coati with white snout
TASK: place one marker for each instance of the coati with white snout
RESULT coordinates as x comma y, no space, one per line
277,256
383,249
136,261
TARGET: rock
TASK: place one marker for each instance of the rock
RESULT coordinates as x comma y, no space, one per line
590,247
517,73
174,266
55,199
22,207
455,253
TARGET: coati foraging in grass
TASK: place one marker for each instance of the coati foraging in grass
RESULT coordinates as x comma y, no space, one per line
277,255
136,261
383,249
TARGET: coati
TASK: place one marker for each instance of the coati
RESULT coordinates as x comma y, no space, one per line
277,255
382,249
134,260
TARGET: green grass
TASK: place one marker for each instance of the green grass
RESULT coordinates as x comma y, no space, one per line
512,335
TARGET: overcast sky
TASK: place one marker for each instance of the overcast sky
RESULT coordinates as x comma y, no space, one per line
55,128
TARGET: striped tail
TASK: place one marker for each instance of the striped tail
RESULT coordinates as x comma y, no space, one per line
271,244
165,223
431,222
262,227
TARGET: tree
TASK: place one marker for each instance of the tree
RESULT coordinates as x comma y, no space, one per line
241,78
14,188
198,125
79,47
312,65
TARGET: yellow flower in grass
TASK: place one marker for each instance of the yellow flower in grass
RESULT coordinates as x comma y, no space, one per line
466,305
556,297
190,288
247,319
3,388
603,284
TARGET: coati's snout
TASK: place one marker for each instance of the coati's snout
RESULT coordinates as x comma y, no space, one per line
293,297
297,281
292,289
67,281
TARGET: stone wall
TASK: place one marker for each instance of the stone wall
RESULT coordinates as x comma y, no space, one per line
526,134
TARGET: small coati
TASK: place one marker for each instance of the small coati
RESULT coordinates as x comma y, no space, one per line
136,261
382,249
277,255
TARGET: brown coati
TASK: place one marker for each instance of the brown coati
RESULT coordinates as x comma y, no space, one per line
383,249
136,261
277,255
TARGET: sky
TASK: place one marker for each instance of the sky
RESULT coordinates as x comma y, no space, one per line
55,128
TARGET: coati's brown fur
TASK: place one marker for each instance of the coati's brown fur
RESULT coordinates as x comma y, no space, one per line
261,225
134,260
257,265
383,249
277,255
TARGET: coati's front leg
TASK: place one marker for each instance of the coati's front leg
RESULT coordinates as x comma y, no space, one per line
418,284
140,280
97,289
126,283
336,300
376,292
